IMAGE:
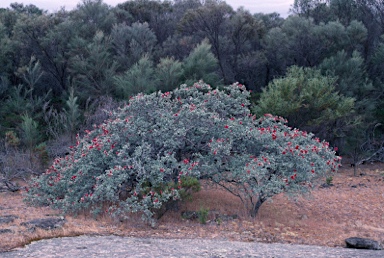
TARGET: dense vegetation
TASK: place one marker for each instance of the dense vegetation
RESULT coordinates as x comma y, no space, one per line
321,67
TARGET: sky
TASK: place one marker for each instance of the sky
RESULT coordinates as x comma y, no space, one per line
254,6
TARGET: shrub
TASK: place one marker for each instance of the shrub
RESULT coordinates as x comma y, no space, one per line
309,101
150,146
17,163
202,215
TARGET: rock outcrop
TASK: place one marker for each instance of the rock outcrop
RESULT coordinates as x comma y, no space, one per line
47,224
362,243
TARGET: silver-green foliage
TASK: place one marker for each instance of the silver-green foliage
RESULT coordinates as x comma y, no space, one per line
150,146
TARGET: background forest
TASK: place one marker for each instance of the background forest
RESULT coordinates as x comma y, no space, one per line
322,68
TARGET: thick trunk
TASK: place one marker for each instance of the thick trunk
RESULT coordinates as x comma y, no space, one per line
257,206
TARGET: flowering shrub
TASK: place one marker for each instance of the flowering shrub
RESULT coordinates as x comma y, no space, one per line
138,160
264,157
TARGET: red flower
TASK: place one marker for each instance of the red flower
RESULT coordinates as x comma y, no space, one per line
226,126
186,161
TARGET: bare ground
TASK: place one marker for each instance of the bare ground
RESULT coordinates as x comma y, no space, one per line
353,206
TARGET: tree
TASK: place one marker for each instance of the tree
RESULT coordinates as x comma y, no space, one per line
159,15
72,115
245,32
301,42
201,64
155,145
47,38
6,52
138,79
276,46
345,10
30,134
22,101
168,74
270,20
352,80
130,43
178,46
367,12
28,10
253,70
377,73
91,16
93,67
31,74
210,21
309,101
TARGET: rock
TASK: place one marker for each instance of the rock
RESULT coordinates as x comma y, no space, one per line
358,185
225,217
325,185
362,243
303,217
47,224
5,230
189,215
192,215
7,219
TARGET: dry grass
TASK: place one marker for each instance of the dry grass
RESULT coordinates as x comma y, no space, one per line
354,206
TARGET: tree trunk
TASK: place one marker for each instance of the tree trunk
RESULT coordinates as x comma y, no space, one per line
257,206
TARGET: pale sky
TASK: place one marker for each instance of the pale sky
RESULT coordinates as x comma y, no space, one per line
254,6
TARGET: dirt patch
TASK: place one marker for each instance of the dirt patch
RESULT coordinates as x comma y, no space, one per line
353,206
